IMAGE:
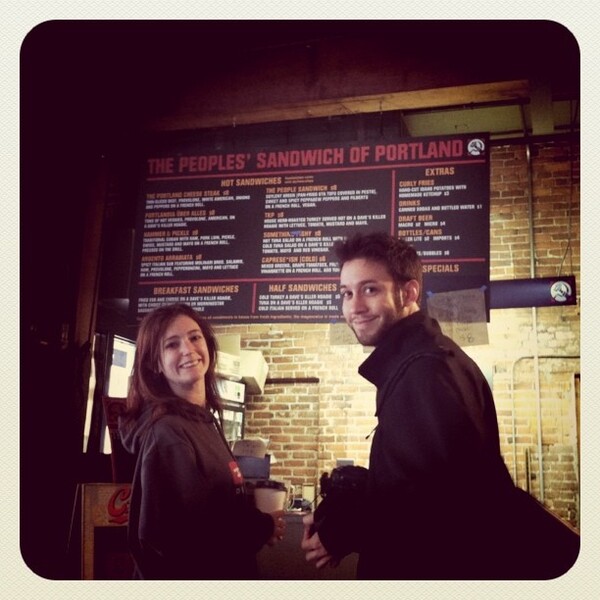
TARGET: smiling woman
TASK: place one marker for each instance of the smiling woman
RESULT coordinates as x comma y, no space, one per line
189,517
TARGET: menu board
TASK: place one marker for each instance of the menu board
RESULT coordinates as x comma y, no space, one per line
247,236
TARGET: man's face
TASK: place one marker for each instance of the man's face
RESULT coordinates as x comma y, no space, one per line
370,303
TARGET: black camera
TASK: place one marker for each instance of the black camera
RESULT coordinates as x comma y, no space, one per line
346,479
343,494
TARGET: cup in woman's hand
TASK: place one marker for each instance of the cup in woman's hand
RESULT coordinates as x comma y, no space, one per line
269,495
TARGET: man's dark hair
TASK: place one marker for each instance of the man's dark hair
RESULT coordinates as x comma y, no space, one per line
400,258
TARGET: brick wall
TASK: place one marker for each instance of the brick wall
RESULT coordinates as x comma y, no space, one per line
317,409
538,395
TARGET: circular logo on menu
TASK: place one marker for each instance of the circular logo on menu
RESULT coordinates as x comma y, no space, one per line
560,291
476,147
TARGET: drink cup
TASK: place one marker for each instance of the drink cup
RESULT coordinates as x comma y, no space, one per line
269,495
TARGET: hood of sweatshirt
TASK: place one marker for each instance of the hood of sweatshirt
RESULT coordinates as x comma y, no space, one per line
132,432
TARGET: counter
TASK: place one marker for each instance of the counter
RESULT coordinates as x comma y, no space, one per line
286,560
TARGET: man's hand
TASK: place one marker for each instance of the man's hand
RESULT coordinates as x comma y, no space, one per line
312,546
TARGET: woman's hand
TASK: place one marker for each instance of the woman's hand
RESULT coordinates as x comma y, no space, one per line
312,546
278,527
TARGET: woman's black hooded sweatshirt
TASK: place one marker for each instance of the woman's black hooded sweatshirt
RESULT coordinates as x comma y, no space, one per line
189,517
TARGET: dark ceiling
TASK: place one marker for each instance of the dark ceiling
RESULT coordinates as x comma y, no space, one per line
99,81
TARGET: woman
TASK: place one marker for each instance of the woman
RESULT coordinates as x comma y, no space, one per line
189,517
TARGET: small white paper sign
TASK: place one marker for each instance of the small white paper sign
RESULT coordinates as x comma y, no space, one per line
461,315
250,447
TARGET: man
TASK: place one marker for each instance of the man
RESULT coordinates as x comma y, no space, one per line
439,502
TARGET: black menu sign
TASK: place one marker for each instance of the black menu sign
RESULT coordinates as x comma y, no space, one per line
247,236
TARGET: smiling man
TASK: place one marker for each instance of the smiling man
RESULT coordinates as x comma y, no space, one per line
439,503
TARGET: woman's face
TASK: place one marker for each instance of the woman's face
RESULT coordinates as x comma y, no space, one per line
184,356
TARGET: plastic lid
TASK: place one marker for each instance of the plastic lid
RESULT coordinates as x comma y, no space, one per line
271,484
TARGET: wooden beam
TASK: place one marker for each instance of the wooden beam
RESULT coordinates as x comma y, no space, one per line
503,91
89,276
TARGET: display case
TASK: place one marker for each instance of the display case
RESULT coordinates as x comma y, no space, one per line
232,394
233,421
